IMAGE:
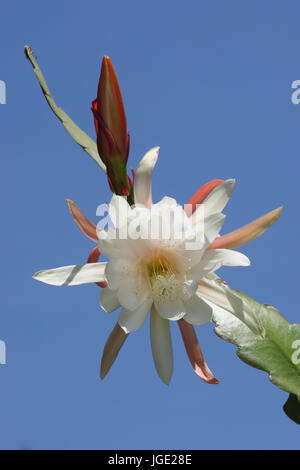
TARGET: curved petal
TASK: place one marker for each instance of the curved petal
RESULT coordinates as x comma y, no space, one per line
194,352
109,300
161,345
166,201
119,210
213,291
218,198
131,293
173,310
205,231
132,320
107,242
72,275
190,288
200,195
94,255
212,226
248,233
111,349
143,178
215,259
116,271
87,227
198,312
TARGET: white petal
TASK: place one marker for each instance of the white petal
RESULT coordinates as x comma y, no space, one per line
161,345
132,320
107,242
224,257
214,259
166,200
192,256
132,292
172,310
209,227
109,300
216,309
143,178
72,275
119,211
122,248
198,312
190,288
218,198
212,226
221,296
115,272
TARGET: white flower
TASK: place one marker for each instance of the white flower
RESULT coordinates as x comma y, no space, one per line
144,273
169,274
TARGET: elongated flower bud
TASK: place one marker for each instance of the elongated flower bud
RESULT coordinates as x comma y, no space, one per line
111,128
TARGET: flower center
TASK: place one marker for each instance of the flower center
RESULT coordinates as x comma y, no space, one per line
166,288
164,280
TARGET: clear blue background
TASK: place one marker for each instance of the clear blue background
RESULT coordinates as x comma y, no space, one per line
210,82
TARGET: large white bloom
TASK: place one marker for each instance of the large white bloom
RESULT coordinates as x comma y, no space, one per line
159,262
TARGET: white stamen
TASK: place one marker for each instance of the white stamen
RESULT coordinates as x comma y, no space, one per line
166,288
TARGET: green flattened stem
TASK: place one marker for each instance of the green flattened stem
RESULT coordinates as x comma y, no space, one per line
87,144
292,408
277,353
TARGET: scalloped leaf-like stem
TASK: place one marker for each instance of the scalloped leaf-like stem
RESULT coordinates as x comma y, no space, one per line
80,137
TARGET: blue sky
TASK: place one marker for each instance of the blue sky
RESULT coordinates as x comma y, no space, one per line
210,83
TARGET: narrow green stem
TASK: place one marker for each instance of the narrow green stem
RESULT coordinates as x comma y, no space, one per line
85,142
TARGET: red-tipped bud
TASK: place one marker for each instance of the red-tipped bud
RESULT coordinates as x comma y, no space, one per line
111,110
109,115
111,128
